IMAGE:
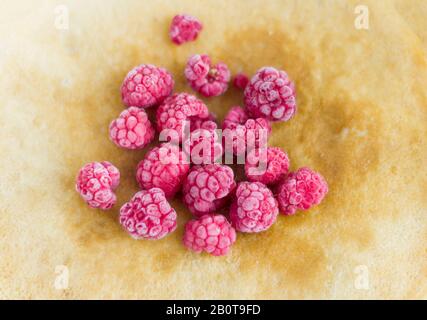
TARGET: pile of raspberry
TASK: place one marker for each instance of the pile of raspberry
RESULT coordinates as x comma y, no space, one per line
188,161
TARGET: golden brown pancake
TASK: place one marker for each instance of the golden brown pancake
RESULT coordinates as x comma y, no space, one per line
361,122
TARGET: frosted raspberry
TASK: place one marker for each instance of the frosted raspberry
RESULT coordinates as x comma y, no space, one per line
210,81
148,215
254,208
178,111
206,187
242,134
132,129
204,146
266,165
271,94
163,167
211,233
96,183
240,81
184,28
146,86
301,190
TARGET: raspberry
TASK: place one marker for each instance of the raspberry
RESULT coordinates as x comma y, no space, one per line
146,86
184,28
206,187
210,81
211,233
179,110
242,134
96,182
148,215
132,129
270,94
163,167
301,190
254,208
266,165
240,81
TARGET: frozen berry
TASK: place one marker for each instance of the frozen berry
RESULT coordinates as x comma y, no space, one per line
254,208
177,112
266,165
132,129
240,81
210,81
301,190
211,233
96,183
146,86
148,215
242,134
271,94
184,28
206,187
163,167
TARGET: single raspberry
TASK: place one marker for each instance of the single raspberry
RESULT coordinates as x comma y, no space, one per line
184,28
254,208
240,81
271,94
266,165
177,112
96,182
146,86
206,187
211,233
163,167
204,146
210,81
301,190
241,134
132,129
148,215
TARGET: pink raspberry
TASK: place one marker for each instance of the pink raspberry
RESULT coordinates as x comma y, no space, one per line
132,129
204,145
254,208
148,215
241,134
206,187
266,165
271,94
178,111
210,81
240,81
301,190
184,28
211,233
163,167
96,182
146,86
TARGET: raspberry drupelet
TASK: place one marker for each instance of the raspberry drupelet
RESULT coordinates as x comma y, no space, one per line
301,190
180,110
203,77
96,183
270,94
184,28
132,129
163,167
146,85
254,208
267,165
148,215
241,134
211,233
206,188
240,81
